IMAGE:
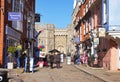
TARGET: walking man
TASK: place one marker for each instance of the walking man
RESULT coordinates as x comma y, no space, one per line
51,57
57,58
18,54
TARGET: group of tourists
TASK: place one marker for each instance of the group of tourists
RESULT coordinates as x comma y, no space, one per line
55,58
50,60
81,59
16,55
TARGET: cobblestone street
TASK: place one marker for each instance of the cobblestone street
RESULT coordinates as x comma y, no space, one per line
68,73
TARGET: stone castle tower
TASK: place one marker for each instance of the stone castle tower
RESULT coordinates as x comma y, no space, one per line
55,38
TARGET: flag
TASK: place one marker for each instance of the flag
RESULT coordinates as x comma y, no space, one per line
39,33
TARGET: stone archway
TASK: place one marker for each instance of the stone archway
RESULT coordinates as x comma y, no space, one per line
61,40
60,48
61,43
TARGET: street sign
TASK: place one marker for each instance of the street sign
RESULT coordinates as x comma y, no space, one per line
96,41
102,32
14,16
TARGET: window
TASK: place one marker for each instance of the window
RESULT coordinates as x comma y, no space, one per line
90,2
90,23
84,29
104,11
86,8
9,1
16,4
18,7
83,1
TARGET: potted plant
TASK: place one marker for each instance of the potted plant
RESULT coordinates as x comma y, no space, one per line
11,49
10,58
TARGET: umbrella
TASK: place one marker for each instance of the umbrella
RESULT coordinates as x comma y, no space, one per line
54,50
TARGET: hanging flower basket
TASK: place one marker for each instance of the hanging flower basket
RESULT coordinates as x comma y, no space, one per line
11,49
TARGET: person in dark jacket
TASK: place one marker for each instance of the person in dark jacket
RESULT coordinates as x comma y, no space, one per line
75,58
57,58
18,54
51,57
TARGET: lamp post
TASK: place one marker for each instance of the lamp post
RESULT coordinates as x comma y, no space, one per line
77,53
95,41
28,43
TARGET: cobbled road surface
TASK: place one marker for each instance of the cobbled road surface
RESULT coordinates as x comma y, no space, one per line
67,73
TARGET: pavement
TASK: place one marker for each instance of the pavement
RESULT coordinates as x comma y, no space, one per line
105,75
100,73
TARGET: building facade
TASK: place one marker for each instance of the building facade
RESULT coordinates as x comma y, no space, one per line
15,31
99,37
46,37
55,38
61,40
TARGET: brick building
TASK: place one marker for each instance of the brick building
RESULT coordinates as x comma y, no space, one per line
89,17
12,32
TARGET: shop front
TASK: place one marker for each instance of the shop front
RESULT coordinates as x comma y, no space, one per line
12,37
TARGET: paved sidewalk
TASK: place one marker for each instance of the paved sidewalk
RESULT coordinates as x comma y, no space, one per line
105,75
13,75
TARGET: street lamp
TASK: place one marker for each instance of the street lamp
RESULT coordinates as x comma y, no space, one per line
77,54
28,43
93,44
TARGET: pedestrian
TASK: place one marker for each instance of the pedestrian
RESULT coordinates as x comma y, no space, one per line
78,59
51,58
84,58
58,59
24,55
18,54
45,61
75,58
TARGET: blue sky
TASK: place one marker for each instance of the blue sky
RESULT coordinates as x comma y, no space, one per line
114,12
58,12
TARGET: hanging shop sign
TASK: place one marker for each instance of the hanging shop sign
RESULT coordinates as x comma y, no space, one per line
37,17
77,40
96,41
102,32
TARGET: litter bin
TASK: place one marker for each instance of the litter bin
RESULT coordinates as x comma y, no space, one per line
62,58
32,64
3,76
68,60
